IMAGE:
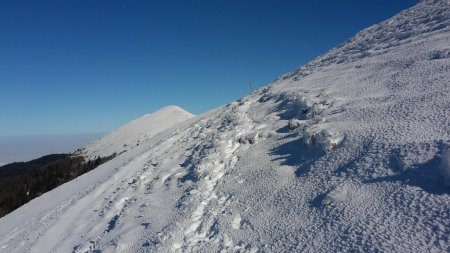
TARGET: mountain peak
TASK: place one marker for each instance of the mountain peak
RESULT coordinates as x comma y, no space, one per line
173,109
136,132
348,153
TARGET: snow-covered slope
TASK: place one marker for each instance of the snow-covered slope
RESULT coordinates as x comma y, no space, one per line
135,132
348,153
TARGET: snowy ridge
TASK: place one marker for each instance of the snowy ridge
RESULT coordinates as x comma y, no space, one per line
135,132
350,153
430,17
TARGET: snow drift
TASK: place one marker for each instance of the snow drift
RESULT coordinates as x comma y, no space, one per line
344,154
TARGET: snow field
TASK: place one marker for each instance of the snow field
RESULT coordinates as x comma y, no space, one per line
346,154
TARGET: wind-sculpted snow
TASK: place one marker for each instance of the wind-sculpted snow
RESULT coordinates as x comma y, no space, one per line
351,157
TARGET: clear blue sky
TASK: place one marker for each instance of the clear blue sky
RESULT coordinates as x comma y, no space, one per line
83,66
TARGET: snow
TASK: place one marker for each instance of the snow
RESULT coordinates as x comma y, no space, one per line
135,132
338,195
445,166
344,154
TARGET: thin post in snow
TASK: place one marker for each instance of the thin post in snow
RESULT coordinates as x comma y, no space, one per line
251,87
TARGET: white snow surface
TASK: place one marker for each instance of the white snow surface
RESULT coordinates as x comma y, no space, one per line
361,170
132,134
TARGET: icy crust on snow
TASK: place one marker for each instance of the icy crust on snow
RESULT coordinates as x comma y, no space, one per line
352,157
135,132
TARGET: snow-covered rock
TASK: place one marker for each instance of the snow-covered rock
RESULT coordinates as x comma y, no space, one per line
363,172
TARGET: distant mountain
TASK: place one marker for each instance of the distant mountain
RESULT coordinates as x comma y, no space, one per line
349,153
135,132
23,181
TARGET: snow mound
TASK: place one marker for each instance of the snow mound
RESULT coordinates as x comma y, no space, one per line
136,132
338,195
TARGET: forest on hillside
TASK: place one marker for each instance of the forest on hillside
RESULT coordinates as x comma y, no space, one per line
24,181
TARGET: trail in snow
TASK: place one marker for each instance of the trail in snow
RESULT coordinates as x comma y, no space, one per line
348,153
208,164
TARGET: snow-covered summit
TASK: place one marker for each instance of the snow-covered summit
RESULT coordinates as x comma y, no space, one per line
350,153
135,132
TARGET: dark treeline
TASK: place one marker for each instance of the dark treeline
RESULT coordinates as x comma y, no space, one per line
22,182
13,169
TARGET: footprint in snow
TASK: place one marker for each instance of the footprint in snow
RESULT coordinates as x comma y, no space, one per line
146,225
240,223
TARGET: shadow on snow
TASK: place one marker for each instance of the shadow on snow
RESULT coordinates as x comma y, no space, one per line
297,153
